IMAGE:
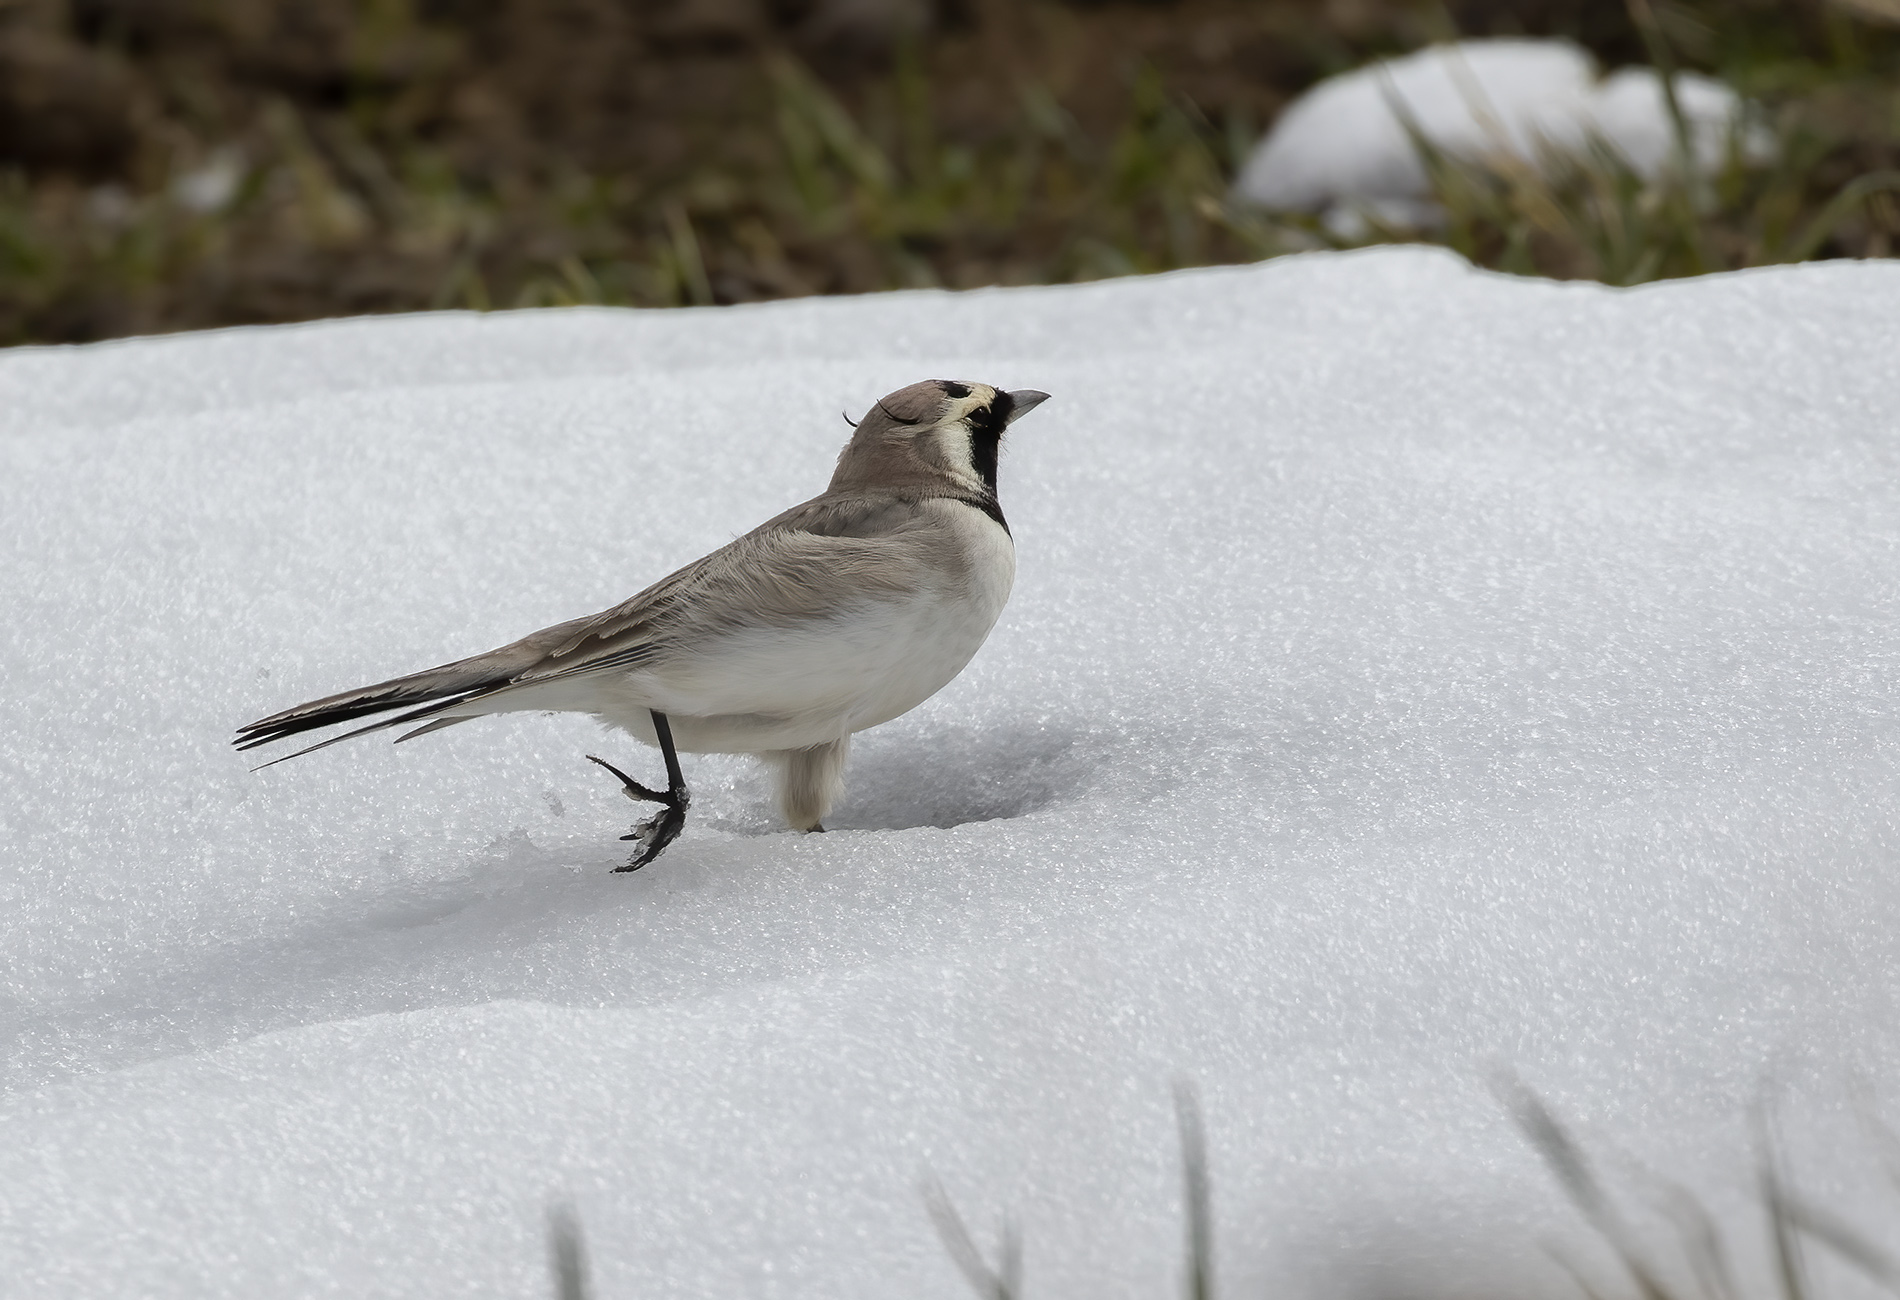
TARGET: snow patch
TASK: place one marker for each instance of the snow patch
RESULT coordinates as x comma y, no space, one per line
1342,146
1410,670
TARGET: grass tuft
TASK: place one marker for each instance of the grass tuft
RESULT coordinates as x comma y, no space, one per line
1794,1223
1040,145
1003,1280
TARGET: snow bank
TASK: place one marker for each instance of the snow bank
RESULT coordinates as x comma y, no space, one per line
1342,145
1412,671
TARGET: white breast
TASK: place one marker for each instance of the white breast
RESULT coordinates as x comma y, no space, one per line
932,638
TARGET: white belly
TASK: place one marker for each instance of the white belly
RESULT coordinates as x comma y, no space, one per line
774,688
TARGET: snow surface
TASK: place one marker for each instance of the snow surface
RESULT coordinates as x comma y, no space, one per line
1341,143
1412,672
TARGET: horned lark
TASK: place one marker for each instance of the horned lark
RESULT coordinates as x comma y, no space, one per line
839,614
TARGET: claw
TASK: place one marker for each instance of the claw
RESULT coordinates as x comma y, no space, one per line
656,832
632,788
664,826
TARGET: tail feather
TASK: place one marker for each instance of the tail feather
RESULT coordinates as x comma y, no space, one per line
531,673
435,688
437,725
384,725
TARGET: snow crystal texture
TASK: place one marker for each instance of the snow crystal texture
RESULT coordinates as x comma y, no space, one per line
1412,673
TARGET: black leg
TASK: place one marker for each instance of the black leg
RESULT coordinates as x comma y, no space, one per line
661,829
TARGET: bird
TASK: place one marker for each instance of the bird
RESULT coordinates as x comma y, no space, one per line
839,614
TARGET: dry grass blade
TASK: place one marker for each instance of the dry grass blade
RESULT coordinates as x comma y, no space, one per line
1196,1193
1844,1240
1002,1282
1885,1141
1574,1272
1784,1234
1702,1243
1851,196
1567,1162
1792,1218
567,1253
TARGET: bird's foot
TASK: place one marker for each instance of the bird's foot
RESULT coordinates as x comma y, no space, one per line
659,830
656,832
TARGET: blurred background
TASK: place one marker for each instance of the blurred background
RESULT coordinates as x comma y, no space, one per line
176,164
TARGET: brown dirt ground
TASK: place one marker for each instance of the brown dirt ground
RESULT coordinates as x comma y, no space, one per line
655,104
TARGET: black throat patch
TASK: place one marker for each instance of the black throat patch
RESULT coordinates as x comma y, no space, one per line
986,437
986,442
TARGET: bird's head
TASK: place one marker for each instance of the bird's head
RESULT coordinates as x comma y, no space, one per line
938,430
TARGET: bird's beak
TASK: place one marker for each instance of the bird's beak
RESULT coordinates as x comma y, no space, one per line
1023,401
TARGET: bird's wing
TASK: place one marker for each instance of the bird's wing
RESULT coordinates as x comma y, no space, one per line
814,563
809,564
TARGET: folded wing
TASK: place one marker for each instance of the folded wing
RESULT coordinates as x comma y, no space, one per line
780,574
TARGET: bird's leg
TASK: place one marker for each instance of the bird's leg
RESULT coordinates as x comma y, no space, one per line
664,826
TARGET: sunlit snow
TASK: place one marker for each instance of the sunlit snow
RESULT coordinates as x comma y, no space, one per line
1413,673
